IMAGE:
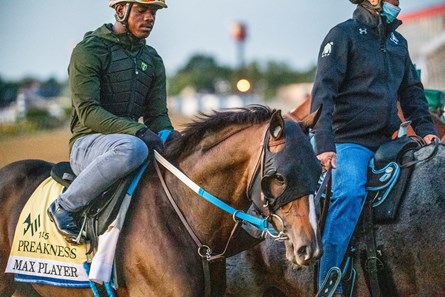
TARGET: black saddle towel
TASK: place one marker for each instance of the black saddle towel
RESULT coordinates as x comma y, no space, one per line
102,211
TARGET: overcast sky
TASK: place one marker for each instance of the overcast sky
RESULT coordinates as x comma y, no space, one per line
37,37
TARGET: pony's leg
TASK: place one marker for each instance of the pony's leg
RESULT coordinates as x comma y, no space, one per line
274,292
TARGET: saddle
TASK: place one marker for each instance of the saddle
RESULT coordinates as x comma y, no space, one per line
388,173
102,210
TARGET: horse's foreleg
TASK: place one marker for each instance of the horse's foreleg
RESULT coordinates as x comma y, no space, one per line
25,290
7,285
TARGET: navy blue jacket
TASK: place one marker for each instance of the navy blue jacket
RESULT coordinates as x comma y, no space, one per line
363,69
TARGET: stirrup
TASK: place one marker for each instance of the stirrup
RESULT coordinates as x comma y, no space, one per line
330,283
81,237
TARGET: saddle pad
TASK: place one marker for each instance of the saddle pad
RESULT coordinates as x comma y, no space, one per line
39,254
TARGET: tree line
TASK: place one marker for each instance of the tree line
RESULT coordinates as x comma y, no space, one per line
201,72
204,74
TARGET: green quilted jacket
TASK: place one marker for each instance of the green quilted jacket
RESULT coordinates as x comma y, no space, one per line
89,63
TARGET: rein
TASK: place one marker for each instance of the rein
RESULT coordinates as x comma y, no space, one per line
260,224
325,187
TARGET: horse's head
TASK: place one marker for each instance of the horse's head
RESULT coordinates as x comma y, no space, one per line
284,185
253,151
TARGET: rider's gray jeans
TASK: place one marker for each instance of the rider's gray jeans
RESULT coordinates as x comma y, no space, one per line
98,160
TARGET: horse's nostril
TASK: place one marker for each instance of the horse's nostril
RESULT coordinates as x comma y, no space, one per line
303,251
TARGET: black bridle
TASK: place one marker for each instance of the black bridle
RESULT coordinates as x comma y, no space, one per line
273,165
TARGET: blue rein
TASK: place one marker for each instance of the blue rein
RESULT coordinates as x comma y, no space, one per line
260,223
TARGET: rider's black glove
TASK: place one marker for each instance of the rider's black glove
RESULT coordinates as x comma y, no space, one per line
173,135
151,139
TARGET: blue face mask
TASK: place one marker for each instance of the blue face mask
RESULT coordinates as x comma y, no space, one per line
390,12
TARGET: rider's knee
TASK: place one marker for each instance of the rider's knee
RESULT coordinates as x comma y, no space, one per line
131,153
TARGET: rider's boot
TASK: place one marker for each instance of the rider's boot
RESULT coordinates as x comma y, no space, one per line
64,220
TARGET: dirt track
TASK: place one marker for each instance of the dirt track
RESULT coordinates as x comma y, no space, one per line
50,146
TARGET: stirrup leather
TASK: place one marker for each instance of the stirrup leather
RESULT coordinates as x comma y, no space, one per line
330,283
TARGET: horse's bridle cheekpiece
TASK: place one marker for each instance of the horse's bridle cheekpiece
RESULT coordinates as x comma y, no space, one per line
297,185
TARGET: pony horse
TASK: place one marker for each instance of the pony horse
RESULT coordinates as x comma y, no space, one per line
241,156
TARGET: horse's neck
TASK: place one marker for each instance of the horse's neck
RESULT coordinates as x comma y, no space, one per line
223,166
440,126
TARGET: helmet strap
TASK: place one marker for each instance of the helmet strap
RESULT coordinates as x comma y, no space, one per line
124,19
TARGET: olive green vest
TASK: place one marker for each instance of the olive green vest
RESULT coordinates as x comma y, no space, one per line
126,83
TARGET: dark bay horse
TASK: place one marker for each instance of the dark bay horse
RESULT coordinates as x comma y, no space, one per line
226,153
413,247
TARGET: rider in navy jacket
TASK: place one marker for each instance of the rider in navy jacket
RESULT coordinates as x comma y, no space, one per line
365,94
364,69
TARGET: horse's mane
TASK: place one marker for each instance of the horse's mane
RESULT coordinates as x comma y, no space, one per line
203,124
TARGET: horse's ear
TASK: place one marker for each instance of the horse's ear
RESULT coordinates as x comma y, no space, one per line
310,120
276,126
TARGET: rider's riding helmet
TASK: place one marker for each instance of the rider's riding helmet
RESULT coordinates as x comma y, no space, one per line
123,19
160,3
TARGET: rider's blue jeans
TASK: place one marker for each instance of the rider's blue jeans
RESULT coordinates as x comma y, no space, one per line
348,193
99,160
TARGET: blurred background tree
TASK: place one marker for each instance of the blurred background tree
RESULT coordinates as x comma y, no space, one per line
8,92
203,73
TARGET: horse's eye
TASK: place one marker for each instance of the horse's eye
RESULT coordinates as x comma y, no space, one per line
274,185
280,178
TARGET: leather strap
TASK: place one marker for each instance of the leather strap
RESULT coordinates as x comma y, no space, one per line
330,283
433,153
176,208
203,250
325,186
372,261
